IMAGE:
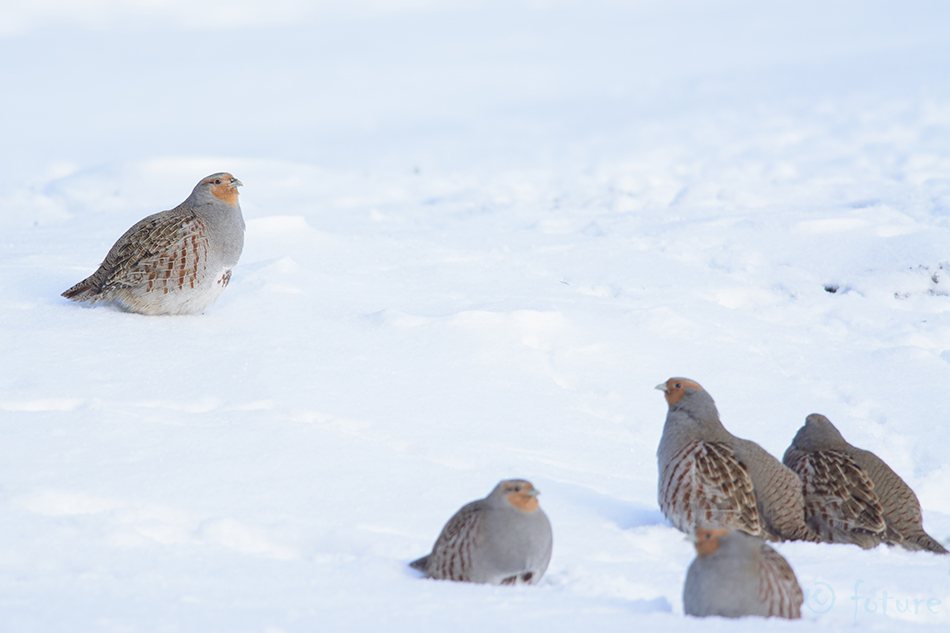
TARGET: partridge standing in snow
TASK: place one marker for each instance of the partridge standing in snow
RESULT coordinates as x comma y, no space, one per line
503,539
735,574
851,495
708,477
173,262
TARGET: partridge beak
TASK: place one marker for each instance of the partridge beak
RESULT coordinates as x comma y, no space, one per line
235,182
661,386
534,492
692,538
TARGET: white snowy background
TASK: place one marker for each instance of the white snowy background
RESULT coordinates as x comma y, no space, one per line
478,234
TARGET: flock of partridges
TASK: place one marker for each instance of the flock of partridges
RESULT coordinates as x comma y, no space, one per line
728,494
733,495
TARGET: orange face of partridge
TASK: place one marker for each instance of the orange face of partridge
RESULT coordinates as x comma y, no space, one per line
707,541
675,388
523,496
224,188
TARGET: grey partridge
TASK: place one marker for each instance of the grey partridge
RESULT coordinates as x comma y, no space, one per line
710,478
173,262
503,539
735,575
851,495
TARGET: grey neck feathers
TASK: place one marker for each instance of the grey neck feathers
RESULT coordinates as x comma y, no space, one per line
693,418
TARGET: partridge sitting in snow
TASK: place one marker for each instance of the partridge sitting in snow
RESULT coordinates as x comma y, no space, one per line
709,477
503,539
735,574
851,495
173,262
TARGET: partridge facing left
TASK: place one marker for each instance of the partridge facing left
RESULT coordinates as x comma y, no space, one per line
851,495
503,539
735,574
708,477
174,262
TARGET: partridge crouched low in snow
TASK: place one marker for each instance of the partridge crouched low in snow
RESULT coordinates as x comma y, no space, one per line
503,539
710,478
851,495
735,575
173,262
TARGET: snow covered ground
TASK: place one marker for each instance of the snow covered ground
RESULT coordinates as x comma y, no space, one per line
478,234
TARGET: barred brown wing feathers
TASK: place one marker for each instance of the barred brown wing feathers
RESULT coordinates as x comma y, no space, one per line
451,556
839,494
705,484
160,254
778,587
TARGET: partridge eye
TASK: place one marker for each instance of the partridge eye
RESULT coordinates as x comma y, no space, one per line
218,181
678,385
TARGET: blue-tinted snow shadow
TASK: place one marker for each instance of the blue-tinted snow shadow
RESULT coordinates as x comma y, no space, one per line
654,605
625,514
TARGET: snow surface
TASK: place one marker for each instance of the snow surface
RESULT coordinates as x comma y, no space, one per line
478,234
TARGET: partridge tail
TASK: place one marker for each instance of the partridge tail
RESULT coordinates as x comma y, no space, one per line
422,564
925,542
83,291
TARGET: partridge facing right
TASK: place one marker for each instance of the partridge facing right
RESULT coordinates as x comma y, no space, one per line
503,539
851,495
173,262
710,478
735,575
